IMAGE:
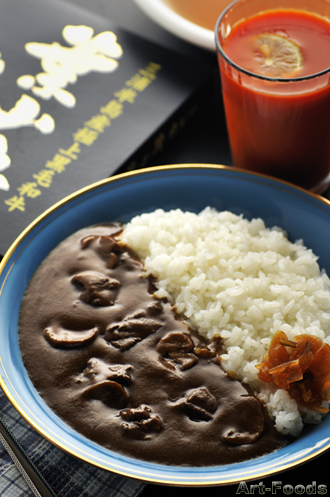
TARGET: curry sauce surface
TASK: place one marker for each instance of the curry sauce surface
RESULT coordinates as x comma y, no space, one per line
121,368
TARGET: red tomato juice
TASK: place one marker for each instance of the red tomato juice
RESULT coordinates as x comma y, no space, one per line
280,128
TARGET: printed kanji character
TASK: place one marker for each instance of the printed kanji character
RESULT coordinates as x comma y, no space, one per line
4,162
44,177
174,130
4,184
29,189
153,67
72,151
144,77
86,136
99,122
126,95
159,142
24,113
138,82
62,65
113,109
16,202
58,163
2,64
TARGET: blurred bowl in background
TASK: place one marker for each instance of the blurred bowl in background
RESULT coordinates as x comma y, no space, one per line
161,12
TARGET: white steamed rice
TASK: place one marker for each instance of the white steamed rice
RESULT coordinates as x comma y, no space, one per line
237,279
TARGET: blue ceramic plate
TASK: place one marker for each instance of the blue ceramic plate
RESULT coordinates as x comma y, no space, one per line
189,187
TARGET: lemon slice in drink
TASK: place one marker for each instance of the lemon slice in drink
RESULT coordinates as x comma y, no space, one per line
277,56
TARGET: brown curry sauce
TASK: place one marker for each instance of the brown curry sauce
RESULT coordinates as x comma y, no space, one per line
120,367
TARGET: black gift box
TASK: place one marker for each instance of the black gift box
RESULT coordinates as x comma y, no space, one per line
81,99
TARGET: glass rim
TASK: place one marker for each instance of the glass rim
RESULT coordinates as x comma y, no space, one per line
246,71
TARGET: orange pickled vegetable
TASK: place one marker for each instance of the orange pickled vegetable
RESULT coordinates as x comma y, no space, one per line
301,366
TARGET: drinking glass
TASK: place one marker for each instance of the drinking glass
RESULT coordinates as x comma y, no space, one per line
276,126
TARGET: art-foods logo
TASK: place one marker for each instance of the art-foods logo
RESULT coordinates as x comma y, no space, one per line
277,488
61,66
